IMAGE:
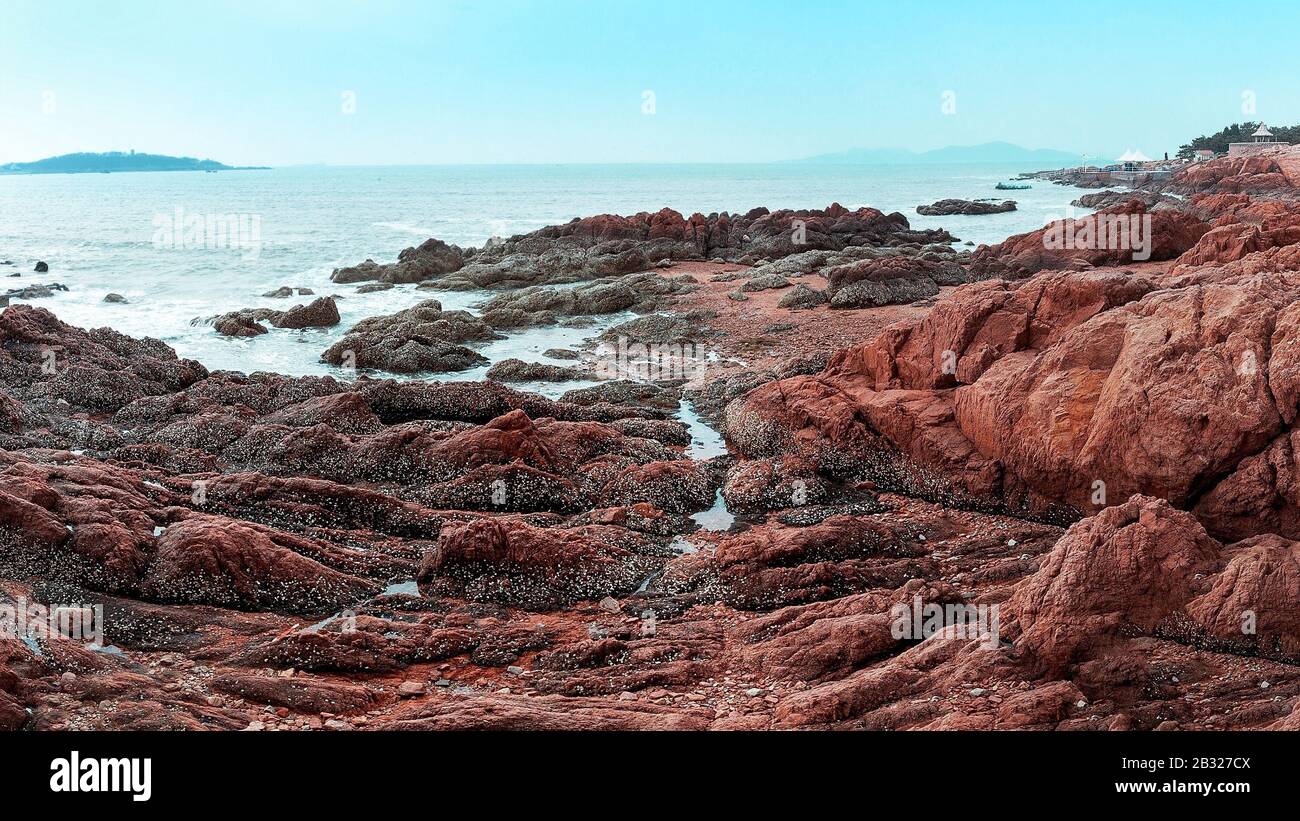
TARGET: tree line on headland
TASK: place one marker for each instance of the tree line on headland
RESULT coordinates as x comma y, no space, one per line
1238,133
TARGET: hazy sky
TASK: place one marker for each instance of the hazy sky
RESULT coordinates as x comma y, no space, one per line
265,82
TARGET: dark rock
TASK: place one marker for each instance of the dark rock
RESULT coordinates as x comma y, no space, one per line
35,291
418,339
765,282
944,208
238,323
517,370
320,313
802,297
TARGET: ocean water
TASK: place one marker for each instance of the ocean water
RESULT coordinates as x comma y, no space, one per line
103,233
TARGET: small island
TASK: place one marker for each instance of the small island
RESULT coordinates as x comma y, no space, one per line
116,162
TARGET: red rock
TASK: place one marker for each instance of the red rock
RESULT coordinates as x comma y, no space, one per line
298,693
1131,566
293,496
777,566
1258,174
1031,395
319,313
680,486
1250,607
238,323
537,568
11,414
809,642
1171,233
773,484
344,412
211,560
99,369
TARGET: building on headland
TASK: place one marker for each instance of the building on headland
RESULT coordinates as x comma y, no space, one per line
1133,161
1133,168
1260,142
1202,154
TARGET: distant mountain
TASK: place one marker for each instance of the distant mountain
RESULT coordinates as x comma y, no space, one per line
996,152
113,162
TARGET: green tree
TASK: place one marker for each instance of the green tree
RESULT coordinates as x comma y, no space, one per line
1239,133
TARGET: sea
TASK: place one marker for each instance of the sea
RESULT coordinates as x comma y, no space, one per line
123,233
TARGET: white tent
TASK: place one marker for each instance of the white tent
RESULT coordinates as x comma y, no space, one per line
1134,156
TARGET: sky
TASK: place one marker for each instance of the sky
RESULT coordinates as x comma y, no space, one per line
279,82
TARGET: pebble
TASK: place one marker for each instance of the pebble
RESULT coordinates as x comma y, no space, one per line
407,689
978,691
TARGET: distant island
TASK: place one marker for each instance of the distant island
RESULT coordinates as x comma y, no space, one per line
995,152
116,162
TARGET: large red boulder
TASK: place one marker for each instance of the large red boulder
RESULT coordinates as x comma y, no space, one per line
1132,566
1145,568
1263,173
213,560
1064,393
1113,236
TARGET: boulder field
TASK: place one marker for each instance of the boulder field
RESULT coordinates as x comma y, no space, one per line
1062,496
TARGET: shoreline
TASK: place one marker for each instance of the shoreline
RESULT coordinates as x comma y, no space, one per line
904,424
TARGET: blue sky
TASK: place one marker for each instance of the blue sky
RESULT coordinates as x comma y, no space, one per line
564,80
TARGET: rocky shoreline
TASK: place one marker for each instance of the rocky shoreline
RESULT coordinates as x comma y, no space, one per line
1092,445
